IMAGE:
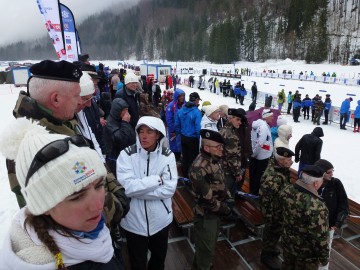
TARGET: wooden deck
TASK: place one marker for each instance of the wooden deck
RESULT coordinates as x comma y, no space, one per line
239,246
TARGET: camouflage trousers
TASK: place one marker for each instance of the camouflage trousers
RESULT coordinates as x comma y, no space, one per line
206,234
293,262
271,235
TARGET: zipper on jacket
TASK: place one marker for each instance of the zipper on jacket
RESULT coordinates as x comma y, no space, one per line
167,209
146,215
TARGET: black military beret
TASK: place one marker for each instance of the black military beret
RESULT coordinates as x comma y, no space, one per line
284,152
91,70
313,170
61,71
212,135
237,112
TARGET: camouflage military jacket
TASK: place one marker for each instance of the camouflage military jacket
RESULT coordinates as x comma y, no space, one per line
305,224
207,176
116,203
319,106
274,180
232,150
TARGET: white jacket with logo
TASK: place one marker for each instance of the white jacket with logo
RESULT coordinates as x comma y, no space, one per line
139,171
261,141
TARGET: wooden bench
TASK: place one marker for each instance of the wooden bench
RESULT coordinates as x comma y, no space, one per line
249,210
183,204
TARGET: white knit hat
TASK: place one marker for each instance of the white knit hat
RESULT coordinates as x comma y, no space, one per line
131,78
209,109
86,85
58,178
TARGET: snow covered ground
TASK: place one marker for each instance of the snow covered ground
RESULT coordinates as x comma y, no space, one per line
340,147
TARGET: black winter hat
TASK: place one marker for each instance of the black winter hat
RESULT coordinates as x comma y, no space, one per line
324,164
313,170
193,96
211,135
60,71
237,112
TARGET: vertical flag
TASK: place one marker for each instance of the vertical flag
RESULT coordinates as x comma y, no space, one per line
69,34
78,42
50,12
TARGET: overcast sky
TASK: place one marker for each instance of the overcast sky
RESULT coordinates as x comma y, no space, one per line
21,19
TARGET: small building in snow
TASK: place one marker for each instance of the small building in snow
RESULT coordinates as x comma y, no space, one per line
159,71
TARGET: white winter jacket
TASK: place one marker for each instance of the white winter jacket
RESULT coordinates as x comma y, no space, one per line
139,171
207,123
261,141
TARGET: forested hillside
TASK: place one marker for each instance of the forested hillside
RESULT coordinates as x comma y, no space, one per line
220,31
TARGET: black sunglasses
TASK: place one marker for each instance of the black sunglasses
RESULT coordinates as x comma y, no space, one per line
51,151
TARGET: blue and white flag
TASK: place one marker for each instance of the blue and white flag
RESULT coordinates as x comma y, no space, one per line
69,33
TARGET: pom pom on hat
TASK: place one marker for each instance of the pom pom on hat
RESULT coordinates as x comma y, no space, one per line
58,178
209,109
131,78
206,103
86,85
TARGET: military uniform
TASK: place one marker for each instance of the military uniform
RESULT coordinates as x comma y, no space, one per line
318,107
274,179
232,155
207,176
305,228
115,206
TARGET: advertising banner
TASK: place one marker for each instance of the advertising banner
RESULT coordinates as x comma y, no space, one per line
49,10
69,34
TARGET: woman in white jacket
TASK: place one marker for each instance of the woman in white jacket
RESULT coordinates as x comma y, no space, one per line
147,171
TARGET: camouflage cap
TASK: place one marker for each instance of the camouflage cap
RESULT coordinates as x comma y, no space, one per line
61,71
211,135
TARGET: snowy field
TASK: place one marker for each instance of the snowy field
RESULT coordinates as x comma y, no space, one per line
340,147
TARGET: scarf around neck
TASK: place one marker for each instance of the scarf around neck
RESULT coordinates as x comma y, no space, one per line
75,251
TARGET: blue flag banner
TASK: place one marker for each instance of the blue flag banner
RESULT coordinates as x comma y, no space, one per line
69,34
50,13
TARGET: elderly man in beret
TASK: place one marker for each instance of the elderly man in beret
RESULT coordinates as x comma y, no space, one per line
213,198
275,178
305,231
232,150
52,98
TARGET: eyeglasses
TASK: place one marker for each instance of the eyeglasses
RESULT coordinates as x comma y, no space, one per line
51,151
218,147
84,101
